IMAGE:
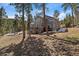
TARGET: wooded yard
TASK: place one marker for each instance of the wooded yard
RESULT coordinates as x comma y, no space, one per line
61,44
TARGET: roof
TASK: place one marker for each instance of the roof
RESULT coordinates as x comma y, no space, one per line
53,18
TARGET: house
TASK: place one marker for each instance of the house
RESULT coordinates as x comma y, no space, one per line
38,25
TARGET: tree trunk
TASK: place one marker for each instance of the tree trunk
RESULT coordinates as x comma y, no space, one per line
28,22
73,19
23,23
76,17
45,20
28,27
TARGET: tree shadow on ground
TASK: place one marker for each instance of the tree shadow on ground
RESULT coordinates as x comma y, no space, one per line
30,47
72,41
37,47
65,47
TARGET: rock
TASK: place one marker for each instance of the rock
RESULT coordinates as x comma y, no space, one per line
63,30
20,33
10,34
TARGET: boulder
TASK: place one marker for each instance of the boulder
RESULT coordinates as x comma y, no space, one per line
10,34
63,30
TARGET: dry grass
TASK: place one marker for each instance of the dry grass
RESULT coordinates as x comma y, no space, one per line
42,44
7,40
72,33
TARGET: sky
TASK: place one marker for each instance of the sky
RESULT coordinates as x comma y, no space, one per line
11,11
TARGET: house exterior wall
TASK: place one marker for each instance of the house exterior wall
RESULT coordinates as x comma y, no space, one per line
52,23
39,22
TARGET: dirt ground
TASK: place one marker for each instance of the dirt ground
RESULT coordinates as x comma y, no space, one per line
41,44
